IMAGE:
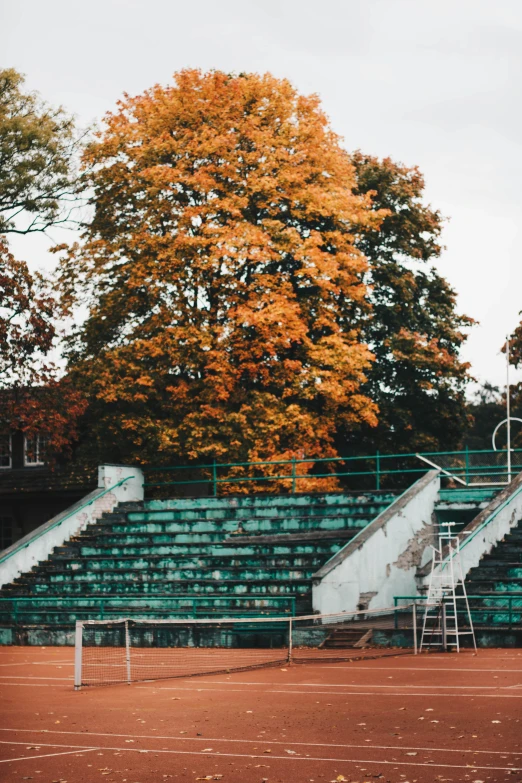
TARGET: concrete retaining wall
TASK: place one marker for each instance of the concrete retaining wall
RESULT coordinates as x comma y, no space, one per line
382,560
116,484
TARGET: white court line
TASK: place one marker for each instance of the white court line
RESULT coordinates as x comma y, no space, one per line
39,663
44,755
31,677
287,758
409,669
363,685
260,741
31,684
328,693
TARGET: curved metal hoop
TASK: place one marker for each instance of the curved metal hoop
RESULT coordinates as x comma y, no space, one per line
504,421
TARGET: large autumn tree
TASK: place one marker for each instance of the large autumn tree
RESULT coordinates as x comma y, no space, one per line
413,327
224,285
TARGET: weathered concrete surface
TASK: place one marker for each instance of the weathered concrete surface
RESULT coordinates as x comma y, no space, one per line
489,527
382,560
39,543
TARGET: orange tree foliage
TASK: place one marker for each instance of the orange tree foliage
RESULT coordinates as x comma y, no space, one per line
223,282
32,397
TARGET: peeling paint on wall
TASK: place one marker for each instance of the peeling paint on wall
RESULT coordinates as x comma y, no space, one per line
364,600
412,555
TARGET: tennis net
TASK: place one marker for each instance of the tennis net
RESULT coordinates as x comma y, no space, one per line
131,650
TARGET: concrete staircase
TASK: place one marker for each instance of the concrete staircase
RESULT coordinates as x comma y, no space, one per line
243,556
498,573
348,638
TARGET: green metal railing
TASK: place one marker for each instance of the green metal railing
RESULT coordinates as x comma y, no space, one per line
510,611
16,609
44,529
468,467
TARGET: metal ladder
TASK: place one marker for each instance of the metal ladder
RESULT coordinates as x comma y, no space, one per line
440,627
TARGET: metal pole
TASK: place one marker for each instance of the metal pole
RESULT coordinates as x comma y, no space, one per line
214,478
293,476
378,469
127,652
443,625
414,628
78,639
508,412
290,640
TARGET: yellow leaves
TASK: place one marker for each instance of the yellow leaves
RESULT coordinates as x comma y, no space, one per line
223,259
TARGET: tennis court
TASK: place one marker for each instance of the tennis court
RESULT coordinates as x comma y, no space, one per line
394,719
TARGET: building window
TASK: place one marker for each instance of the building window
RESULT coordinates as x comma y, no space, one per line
5,451
35,450
6,532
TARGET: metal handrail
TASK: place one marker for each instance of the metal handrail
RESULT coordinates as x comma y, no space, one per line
329,459
38,533
492,471
490,518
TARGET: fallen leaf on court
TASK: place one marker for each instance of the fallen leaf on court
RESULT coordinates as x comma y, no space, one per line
206,750
429,709
411,754
293,752
57,721
284,670
129,740
340,779
495,721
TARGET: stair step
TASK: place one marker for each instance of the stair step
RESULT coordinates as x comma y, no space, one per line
168,586
324,500
213,562
162,571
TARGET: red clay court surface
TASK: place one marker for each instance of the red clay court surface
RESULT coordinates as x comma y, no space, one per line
405,719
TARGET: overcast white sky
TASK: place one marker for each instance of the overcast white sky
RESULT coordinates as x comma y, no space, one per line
437,84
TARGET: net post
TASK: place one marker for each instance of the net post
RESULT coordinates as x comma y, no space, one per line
414,617
127,652
78,640
290,628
